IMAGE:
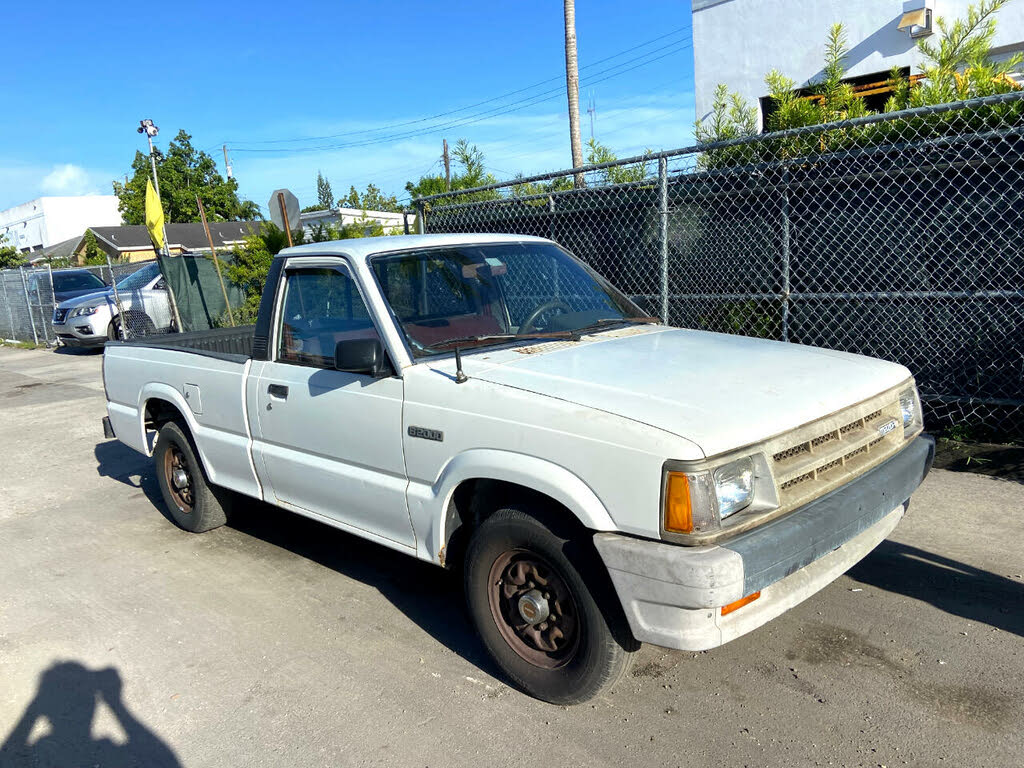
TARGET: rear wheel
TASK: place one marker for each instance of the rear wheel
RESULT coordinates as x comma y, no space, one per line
544,609
194,504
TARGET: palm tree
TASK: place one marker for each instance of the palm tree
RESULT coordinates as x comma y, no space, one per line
572,87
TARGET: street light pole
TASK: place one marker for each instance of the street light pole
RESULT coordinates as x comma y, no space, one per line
149,128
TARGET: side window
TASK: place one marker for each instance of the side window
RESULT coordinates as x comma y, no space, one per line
321,306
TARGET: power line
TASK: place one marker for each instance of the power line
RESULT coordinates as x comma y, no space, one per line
515,106
677,30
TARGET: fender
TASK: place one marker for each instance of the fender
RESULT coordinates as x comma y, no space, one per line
157,391
428,503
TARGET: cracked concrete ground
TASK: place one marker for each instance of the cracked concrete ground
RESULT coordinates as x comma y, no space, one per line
279,641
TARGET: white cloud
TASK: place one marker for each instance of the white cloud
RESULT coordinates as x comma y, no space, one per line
68,179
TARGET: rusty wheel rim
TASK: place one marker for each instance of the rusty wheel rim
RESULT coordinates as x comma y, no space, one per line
178,475
521,585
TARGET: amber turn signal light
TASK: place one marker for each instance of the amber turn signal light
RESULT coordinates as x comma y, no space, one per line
740,603
678,512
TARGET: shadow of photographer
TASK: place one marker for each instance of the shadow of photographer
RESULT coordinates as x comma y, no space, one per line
67,700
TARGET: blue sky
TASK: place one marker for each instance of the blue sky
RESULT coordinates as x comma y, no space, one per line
269,78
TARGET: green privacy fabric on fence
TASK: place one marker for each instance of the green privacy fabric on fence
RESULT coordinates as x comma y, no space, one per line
193,278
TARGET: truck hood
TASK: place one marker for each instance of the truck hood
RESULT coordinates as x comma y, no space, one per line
719,391
96,297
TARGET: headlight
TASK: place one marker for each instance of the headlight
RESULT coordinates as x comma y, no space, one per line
84,311
734,486
910,405
697,502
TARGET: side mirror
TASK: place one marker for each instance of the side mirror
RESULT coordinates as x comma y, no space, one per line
160,285
364,356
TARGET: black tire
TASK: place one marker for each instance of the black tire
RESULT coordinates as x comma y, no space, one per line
195,506
114,329
598,647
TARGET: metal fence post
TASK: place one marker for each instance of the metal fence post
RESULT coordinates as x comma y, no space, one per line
785,294
7,301
421,217
551,218
122,328
663,232
28,305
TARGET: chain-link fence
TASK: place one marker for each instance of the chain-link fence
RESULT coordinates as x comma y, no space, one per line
899,236
29,297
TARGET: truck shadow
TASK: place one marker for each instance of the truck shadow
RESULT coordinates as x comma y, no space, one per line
429,596
949,585
63,710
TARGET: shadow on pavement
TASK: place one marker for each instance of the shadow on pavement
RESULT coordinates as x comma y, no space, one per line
66,350
66,702
430,596
949,585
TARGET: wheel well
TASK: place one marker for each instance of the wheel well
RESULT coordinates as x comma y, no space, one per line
474,500
160,411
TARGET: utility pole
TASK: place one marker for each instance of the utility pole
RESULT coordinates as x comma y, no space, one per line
572,87
592,111
227,163
447,166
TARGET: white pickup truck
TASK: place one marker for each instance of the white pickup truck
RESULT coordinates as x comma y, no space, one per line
488,403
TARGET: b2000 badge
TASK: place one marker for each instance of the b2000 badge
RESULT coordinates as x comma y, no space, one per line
888,427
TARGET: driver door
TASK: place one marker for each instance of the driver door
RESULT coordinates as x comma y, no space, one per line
330,442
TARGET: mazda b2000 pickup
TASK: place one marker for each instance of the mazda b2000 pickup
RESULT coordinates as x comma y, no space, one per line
491,404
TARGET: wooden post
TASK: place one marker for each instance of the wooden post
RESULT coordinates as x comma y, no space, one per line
216,261
447,167
284,217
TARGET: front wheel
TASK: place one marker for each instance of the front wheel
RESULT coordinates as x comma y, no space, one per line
544,609
194,504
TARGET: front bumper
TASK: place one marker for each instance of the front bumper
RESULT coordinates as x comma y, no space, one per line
673,595
85,331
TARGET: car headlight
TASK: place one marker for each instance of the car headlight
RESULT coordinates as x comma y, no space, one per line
697,502
910,406
734,486
85,311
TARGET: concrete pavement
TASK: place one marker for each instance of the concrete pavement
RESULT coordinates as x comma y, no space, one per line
279,641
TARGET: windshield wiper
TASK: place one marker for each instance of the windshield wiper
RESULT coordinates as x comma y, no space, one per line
499,337
598,324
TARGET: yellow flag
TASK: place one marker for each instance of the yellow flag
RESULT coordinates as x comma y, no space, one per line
154,217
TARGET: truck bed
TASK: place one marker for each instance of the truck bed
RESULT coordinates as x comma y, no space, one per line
233,344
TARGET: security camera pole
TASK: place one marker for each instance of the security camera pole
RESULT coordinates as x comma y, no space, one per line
149,128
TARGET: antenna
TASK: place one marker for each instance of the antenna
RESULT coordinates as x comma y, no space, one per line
460,375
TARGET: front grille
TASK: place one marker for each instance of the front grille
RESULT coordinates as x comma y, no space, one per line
59,315
818,457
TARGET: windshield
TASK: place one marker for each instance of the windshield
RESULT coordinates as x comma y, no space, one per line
138,280
443,294
76,281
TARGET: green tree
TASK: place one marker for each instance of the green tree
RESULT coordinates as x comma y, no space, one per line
470,159
371,200
960,65
10,256
92,254
324,194
617,174
183,172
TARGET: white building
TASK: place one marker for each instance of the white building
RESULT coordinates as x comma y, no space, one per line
342,216
45,221
737,42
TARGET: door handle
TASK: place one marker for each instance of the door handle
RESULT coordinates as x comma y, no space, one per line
278,390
